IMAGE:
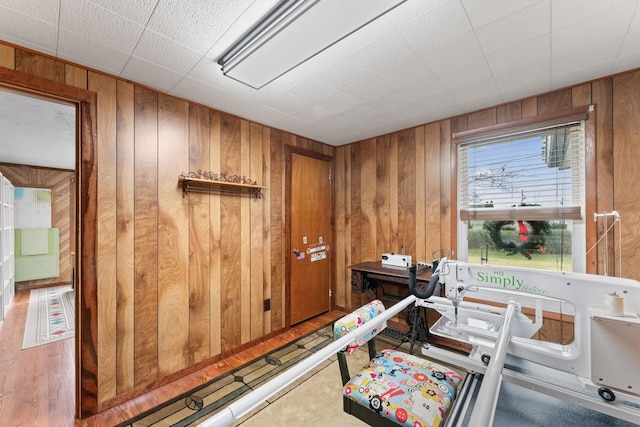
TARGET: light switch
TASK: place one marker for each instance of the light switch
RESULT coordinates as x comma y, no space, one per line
304,240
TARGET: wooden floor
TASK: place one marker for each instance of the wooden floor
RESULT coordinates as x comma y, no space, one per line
37,384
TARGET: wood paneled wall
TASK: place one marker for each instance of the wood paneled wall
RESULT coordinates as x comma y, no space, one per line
62,185
181,279
396,192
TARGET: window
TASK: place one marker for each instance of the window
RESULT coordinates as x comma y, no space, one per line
521,195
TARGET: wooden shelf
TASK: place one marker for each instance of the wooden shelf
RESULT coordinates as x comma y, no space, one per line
199,184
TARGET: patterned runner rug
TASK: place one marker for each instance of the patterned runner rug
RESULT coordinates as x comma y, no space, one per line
202,402
50,316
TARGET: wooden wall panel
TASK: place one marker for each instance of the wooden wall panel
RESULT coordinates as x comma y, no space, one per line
146,236
448,190
245,237
406,191
7,57
125,238
40,66
421,198
509,112
384,231
230,244
215,256
356,202
339,245
554,101
356,213
432,178
529,107
255,235
368,218
173,237
278,245
482,118
266,226
106,88
602,97
75,76
199,239
581,95
626,128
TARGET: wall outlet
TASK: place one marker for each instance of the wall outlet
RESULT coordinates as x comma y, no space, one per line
267,304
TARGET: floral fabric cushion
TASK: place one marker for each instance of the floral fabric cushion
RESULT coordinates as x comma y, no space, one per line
409,390
356,319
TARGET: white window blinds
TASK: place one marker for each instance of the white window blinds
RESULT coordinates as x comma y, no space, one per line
530,175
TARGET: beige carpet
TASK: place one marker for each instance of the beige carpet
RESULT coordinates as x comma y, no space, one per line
316,400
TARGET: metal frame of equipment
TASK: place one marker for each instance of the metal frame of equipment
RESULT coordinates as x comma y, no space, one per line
602,357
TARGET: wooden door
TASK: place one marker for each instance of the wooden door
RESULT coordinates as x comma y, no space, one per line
310,233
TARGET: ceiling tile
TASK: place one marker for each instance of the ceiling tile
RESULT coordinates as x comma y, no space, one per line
470,73
631,43
93,22
155,76
482,13
568,12
138,11
436,26
516,28
197,91
41,10
462,50
625,63
90,53
157,49
600,40
384,53
187,24
515,57
345,74
521,75
590,72
526,90
475,90
26,31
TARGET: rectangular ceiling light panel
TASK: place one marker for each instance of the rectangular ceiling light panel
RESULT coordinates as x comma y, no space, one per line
294,32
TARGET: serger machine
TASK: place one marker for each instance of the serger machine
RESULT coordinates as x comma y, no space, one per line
602,354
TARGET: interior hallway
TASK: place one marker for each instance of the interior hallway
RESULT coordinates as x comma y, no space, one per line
37,384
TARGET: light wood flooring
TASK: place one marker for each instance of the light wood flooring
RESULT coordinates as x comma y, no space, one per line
37,384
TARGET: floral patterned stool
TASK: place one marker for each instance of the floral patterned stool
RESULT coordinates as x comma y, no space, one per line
394,387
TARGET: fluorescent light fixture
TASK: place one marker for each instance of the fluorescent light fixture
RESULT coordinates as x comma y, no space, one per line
293,32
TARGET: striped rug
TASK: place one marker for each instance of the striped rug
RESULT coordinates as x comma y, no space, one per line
50,316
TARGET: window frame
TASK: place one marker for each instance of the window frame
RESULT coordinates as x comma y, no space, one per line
588,115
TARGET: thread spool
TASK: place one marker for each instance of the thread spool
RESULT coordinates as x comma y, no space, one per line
614,304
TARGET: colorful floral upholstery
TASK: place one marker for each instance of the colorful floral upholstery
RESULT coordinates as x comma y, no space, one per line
411,391
356,319
408,390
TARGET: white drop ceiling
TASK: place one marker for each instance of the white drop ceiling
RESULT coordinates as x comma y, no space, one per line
423,61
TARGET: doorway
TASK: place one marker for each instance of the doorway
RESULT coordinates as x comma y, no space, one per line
309,215
84,189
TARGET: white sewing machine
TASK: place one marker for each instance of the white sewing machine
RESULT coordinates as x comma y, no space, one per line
604,354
